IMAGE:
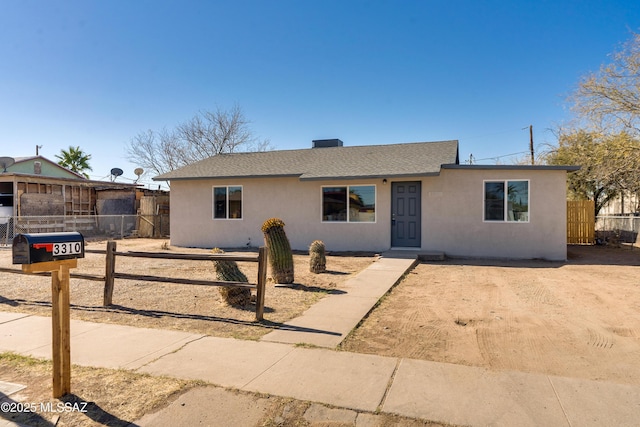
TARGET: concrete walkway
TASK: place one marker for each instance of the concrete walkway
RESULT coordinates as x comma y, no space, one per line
433,391
329,321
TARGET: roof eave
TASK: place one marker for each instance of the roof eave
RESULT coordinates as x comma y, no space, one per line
568,168
302,177
376,176
200,178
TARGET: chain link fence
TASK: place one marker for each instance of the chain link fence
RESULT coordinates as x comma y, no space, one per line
617,228
93,226
6,230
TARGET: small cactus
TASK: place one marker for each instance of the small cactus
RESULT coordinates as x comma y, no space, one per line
280,255
228,271
317,260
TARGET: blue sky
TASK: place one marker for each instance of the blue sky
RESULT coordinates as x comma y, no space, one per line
96,73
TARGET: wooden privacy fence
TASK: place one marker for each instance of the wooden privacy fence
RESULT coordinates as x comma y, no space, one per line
581,222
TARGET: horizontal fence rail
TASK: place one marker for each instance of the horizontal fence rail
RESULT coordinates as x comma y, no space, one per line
111,274
178,256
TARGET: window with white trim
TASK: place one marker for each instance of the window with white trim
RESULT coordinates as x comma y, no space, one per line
349,203
506,200
227,202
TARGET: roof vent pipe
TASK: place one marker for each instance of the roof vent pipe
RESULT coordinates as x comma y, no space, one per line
323,143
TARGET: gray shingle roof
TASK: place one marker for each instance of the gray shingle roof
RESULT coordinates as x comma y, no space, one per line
366,161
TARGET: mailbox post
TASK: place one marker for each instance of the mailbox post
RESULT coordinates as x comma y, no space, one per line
55,253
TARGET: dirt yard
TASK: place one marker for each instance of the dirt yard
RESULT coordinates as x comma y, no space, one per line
172,306
576,319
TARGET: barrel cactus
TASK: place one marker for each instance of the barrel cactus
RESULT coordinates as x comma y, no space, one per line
317,258
228,271
280,255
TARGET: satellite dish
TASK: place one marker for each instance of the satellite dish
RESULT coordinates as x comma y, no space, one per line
5,162
138,172
116,172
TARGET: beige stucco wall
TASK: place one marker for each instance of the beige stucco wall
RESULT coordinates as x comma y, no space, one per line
452,212
297,203
453,216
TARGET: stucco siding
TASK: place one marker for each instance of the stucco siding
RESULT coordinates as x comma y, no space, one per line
452,215
297,203
453,205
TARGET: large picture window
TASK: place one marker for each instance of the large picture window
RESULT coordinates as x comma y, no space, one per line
227,202
352,203
506,201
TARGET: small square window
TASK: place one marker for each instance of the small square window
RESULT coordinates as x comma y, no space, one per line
227,202
506,201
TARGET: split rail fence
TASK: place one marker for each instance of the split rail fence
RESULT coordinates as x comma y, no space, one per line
111,274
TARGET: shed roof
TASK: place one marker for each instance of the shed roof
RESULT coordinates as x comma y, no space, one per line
44,179
366,161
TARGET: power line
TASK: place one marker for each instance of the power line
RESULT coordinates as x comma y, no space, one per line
500,157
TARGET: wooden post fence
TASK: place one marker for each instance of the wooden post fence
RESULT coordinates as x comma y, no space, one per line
260,286
110,269
262,282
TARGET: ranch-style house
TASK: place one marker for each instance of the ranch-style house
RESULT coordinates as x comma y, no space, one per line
372,198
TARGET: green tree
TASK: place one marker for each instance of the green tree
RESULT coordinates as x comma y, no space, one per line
610,164
75,159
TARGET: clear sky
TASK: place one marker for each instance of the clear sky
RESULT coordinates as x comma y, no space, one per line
94,74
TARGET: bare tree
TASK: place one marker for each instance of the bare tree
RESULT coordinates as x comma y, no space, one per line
604,136
207,134
610,98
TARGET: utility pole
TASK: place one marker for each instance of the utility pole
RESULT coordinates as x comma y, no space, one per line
531,144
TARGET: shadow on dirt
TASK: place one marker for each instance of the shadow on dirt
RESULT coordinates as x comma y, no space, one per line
576,255
15,413
93,411
622,254
305,288
158,314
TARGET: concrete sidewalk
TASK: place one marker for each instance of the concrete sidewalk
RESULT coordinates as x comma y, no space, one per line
433,391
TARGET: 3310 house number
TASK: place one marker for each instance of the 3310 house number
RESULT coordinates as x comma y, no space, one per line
68,248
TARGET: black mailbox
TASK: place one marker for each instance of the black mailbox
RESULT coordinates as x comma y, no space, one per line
44,247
